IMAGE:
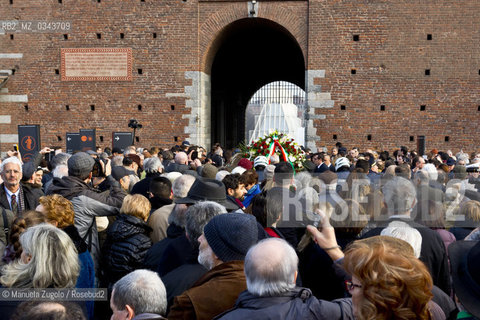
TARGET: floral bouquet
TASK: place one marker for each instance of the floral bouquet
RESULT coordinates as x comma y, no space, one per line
289,150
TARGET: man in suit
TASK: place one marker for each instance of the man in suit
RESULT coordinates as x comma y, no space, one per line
14,196
318,160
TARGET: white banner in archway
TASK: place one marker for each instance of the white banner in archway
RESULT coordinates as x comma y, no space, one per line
282,117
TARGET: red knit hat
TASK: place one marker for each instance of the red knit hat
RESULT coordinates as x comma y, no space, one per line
245,163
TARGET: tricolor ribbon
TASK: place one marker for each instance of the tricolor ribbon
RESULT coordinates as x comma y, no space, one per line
275,143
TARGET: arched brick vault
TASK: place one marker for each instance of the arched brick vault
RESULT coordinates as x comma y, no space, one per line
219,21
212,31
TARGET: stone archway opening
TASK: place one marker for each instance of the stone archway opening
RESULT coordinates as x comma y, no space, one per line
280,106
252,53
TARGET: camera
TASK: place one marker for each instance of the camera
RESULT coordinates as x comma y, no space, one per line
49,155
133,123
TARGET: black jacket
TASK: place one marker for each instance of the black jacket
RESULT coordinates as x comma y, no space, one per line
322,168
142,187
318,273
432,253
124,250
175,167
181,279
153,256
158,202
178,252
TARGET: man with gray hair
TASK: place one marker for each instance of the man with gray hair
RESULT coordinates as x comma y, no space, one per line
183,277
399,198
182,185
59,172
181,249
401,230
223,245
153,168
271,272
13,195
117,161
139,295
58,160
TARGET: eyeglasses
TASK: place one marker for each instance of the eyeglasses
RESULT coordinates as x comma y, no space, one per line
349,285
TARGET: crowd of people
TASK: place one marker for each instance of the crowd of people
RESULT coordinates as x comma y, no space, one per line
183,233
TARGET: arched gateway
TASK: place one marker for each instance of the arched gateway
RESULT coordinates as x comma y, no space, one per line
251,53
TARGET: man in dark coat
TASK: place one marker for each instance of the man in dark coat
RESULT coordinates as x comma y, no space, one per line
223,246
185,257
201,190
400,197
13,195
318,160
175,229
153,168
180,164
271,269
185,248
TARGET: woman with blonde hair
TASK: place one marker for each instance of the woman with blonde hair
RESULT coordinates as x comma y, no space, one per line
127,240
59,212
48,260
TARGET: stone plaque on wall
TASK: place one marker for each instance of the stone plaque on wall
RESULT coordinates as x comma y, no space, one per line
96,64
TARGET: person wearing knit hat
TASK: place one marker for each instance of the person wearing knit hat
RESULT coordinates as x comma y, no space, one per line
223,247
259,164
341,162
229,236
245,163
260,161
